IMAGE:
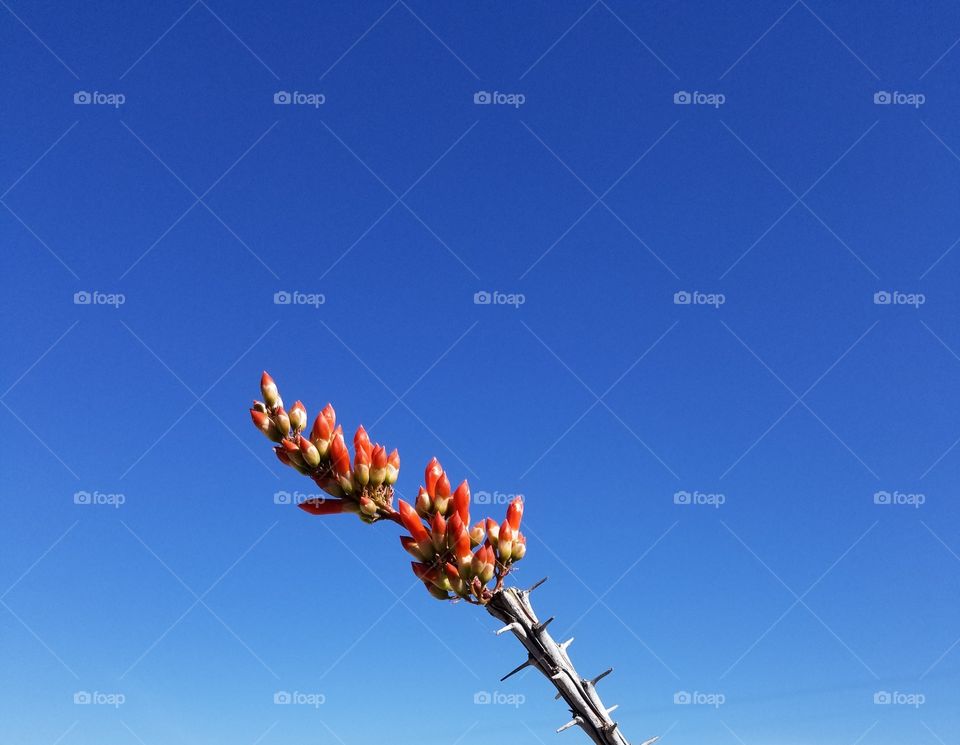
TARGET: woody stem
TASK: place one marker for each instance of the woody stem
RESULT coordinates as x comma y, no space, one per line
512,607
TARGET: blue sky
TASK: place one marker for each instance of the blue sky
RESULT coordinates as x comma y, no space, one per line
812,425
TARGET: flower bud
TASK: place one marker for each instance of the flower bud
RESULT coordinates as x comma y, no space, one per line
505,542
515,513
367,506
519,547
412,547
293,452
424,505
464,555
259,406
311,456
411,521
438,532
489,564
265,424
493,531
298,416
361,441
477,534
431,475
461,502
271,395
339,456
282,421
361,467
378,465
323,506
393,467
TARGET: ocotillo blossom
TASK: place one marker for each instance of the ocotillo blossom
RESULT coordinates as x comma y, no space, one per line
451,558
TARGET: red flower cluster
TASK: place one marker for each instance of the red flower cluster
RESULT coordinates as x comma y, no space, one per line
366,489
453,559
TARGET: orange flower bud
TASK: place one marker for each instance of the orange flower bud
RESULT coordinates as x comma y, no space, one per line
515,513
393,467
432,475
311,456
298,416
282,421
361,442
378,465
424,505
265,424
461,502
269,390
477,534
339,456
411,521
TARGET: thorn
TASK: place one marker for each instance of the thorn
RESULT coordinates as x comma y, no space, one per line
517,669
613,708
556,676
535,585
572,723
612,727
566,644
541,626
511,627
601,676
650,741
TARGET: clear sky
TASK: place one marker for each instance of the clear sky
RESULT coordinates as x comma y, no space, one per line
421,153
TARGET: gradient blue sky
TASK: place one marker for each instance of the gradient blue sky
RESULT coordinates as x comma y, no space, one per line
199,598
